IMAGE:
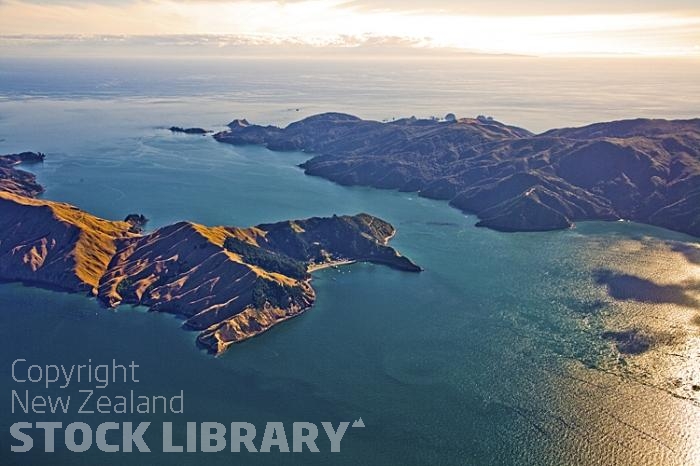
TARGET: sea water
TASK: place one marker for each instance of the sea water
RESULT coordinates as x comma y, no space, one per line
495,354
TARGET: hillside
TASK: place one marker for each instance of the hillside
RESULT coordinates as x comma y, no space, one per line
642,170
229,283
19,181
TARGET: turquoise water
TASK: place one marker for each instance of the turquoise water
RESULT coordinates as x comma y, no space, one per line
493,355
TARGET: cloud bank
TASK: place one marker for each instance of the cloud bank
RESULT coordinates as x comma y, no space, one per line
541,27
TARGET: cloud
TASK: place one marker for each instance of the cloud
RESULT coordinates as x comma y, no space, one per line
195,45
498,26
530,7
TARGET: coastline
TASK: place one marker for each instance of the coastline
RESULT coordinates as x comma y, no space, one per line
512,179
326,265
228,283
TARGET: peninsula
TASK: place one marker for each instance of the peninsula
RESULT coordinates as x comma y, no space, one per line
229,283
642,170
19,181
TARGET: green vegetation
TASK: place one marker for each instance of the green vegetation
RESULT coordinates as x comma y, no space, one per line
276,294
124,286
266,259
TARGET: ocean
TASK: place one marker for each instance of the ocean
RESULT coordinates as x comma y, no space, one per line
495,354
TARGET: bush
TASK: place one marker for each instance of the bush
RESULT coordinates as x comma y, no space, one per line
276,294
123,287
266,259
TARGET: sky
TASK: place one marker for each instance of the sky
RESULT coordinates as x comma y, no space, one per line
539,27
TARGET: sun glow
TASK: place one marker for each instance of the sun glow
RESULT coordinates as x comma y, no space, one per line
340,23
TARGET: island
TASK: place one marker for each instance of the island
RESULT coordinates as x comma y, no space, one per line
642,170
138,222
229,283
178,129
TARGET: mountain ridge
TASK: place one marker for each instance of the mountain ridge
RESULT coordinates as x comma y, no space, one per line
645,170
229,283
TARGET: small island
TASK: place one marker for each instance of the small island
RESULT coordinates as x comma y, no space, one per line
178,129
643,170
138,222
229,283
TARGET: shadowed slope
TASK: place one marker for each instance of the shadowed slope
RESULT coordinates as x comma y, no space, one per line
642,170
54,243
229,283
